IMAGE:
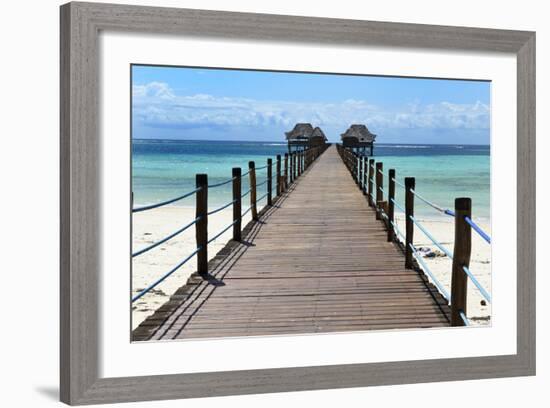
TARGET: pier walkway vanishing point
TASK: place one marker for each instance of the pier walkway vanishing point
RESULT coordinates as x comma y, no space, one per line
317,260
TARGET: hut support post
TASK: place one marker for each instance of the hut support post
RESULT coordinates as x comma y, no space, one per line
391,207
201,227
461,258
252,175
409,225
237,203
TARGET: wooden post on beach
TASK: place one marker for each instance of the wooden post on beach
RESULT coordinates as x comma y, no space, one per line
391,207
461,258
269,181
252,175
237,203
379,186
285,184
371,171
278,175
409,225
201,227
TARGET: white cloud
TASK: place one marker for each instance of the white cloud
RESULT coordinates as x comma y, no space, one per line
157,105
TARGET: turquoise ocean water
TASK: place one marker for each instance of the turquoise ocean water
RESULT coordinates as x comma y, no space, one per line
162,169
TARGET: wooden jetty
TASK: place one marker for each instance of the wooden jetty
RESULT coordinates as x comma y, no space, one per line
316,260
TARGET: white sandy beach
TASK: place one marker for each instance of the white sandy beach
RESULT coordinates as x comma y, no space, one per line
150,226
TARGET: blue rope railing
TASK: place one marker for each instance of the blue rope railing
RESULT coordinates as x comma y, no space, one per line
430,236
167,238
397,205
244,213
397,182
396,228
163,203
222,183
483,292
464,318
478,229
262,197
451,213
429,272
166,275
219,234
223,207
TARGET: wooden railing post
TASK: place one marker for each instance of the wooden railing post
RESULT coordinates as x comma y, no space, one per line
379,185
409,225
252,176
278,173
269,181
300,155
391,207
356,164
285,184
371,172
201,227
461,258
237,203
361,171
365,174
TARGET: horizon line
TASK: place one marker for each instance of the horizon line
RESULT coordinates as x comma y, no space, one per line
285,143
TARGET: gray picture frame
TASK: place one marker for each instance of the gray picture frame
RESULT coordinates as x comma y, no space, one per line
81,24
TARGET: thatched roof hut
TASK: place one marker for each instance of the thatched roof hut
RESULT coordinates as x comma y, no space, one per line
300,131
317,137
359,137
358,134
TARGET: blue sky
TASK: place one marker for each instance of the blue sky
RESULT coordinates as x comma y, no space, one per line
217,104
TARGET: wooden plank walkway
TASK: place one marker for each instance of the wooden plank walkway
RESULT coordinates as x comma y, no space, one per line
317,261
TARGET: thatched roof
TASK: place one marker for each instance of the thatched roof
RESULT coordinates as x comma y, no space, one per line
300,131
360,132
317,132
